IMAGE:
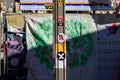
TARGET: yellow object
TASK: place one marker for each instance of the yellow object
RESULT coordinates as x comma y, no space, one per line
60,47
16,21
60,2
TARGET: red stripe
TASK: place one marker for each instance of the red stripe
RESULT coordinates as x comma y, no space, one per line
5,49
60,18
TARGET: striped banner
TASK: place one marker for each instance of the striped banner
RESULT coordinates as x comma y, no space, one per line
71,5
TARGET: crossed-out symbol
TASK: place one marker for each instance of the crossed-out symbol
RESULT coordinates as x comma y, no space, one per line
61,56
61,37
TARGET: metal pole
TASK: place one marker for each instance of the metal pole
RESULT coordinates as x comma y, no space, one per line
3,57
4,45
59,43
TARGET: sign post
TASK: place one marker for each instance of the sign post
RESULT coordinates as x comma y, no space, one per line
59,40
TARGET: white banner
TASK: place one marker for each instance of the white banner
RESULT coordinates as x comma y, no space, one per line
108,47
81,44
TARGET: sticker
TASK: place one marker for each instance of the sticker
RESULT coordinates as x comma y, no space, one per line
61,37
60,23
60,2
60,18
61,56
59,47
